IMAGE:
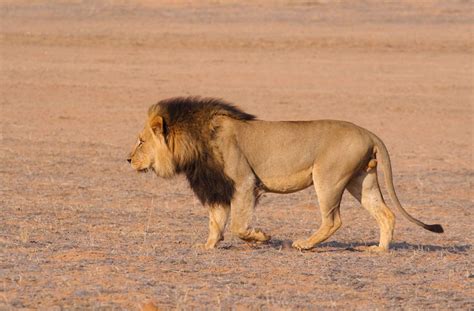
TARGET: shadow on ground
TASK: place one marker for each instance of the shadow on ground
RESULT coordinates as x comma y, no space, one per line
335,246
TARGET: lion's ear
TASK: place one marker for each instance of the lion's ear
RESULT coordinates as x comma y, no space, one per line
157,124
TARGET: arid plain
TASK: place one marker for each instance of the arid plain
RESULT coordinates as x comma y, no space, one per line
79,229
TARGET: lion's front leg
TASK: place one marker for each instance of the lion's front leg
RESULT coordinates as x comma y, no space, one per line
218,216
242,207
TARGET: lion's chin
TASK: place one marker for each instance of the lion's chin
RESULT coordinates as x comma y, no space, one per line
143,170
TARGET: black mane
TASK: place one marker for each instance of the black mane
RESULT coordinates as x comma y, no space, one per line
194,115
183,109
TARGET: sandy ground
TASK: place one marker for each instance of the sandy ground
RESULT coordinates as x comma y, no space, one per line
80,230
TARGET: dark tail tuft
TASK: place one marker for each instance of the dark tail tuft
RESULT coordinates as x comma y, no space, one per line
435,228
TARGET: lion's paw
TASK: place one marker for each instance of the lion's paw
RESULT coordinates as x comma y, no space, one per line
374,249
254,235
260,236
302,245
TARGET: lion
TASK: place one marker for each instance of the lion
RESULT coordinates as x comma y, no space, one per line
230,158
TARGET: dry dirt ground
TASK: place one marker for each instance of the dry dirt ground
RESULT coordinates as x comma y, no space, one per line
80,230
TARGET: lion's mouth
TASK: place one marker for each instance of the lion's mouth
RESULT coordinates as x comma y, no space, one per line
143,170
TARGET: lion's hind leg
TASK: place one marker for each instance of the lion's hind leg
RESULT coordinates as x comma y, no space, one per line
329,200
218,216
365,188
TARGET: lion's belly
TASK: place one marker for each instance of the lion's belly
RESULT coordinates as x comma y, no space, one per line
287,183
282,154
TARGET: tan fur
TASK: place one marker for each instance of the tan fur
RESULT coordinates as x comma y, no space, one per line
372,164
281,157
218,216
151,151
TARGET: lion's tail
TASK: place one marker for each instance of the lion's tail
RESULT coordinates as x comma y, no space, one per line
382,154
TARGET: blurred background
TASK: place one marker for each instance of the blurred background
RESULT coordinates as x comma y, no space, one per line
79,229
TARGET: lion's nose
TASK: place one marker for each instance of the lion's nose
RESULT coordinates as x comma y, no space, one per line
129,160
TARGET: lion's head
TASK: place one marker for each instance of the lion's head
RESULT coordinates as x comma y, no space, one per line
151,151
